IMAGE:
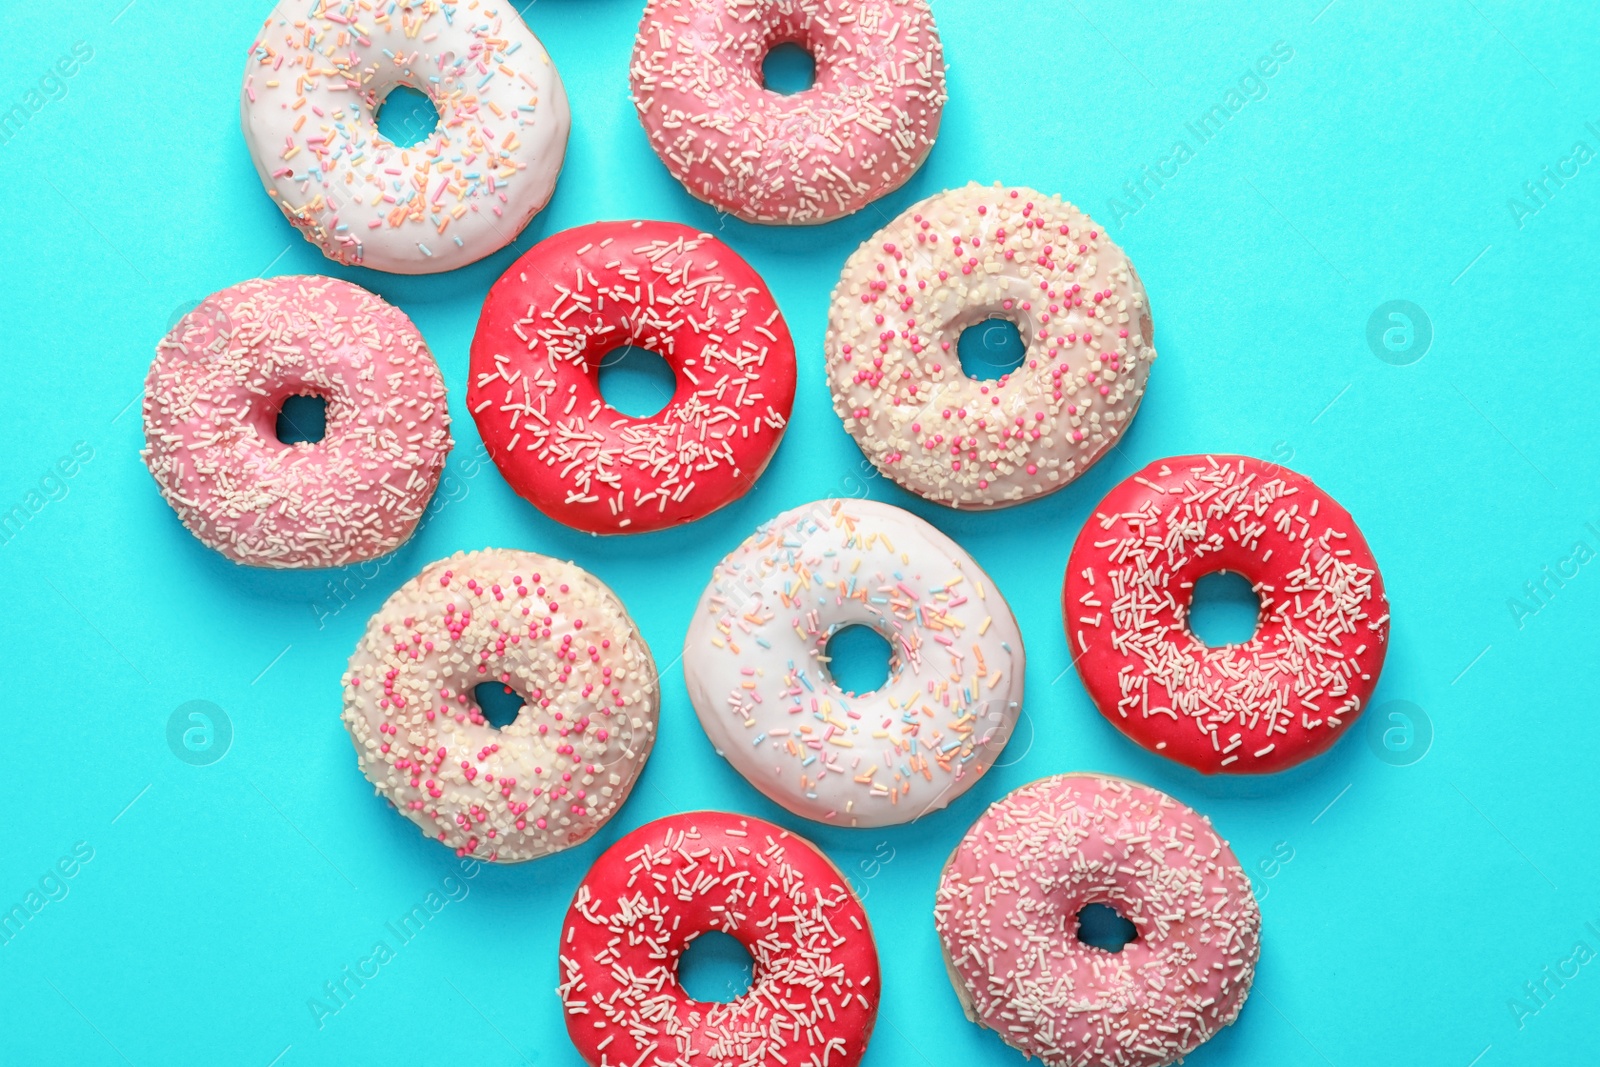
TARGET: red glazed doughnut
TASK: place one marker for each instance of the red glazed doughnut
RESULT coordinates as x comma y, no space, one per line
534,385
813,996
1262,706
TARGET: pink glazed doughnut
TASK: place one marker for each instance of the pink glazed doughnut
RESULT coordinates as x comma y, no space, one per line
211,405
1007,908
860,131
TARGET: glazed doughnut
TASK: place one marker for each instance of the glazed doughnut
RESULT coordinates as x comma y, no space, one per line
755,664
211,405
813,995
319,72
551,632
534,386
951,262
1265,705
1014,886
860,131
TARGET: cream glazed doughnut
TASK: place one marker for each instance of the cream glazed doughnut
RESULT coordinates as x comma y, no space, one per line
948,263
320,70
551,632
1015,885
755,664
813,995
1269,703
860,131
211,404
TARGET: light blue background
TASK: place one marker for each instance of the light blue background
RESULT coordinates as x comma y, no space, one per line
1379,166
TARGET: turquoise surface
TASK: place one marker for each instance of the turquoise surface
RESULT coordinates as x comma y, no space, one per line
1429,889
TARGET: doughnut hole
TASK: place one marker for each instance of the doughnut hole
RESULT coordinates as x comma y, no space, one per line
302,419
858,658
499,703
715,968
1223,609
991,348
788,68
636,381
1104,927
406,116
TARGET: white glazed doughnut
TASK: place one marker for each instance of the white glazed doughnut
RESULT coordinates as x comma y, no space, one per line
950,262
320,70
554,634
755,664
